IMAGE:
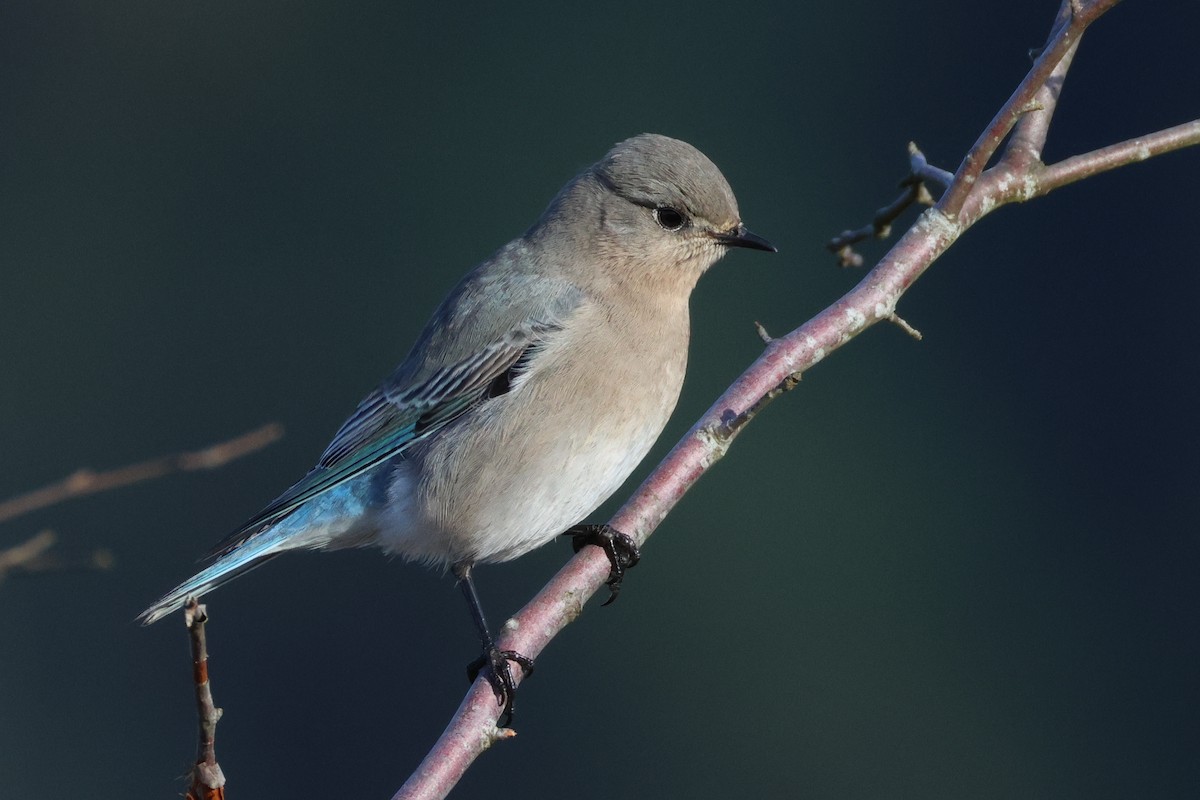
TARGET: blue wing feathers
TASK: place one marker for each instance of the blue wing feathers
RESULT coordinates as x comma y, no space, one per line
416,402
383,427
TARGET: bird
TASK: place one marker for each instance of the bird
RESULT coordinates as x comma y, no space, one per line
535,389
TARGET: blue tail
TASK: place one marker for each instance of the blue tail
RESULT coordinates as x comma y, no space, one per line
341,516
253,553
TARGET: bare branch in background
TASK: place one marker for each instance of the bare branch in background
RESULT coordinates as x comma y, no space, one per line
34,555
86,481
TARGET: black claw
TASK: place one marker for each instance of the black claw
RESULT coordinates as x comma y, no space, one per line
499,675
621,549
495,660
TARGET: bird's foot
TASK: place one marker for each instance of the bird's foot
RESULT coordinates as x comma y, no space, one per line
620,548
500,676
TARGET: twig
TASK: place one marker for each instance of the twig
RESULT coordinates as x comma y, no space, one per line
33,555
208,782
880,226
921,170
971,195
900,323
85,481
1086,165
28,554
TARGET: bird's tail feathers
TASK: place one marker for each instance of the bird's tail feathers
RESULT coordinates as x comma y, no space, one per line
220,572
340,517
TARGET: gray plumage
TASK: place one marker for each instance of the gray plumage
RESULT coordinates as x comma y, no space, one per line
536,388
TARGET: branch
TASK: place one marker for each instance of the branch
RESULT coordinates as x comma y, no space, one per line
28,554
1073,19
208,782
33,555
473,728
971,195
1030,132
1076,168
85,481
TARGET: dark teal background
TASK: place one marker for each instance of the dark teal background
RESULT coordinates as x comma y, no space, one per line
959,568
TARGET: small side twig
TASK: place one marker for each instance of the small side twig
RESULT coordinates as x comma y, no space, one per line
207,780
86,481
899,322
762,333
921,170
880,227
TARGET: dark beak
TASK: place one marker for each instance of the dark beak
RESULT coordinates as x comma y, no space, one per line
740,237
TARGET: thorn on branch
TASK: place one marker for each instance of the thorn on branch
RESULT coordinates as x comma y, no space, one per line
897,320
762,333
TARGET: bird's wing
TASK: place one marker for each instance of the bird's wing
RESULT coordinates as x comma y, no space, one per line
400,413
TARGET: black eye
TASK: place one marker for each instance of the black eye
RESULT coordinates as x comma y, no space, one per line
669,218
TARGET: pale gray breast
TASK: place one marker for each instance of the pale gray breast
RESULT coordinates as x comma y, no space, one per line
529,464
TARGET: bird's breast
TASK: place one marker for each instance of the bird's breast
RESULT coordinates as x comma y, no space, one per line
524,466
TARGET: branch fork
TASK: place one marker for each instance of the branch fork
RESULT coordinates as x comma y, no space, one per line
968,195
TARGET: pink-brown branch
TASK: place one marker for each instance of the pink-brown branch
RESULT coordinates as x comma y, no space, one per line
1073,19
1076,168
972,194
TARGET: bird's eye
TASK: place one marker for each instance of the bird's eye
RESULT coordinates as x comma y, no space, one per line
669,218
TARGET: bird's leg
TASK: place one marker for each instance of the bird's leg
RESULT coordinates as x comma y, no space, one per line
499,673
621,549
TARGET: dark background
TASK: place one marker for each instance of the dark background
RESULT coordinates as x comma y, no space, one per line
959,568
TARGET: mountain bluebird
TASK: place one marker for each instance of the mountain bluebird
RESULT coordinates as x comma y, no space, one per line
533,392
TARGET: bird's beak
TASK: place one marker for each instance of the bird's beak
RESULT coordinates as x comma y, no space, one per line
740,237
